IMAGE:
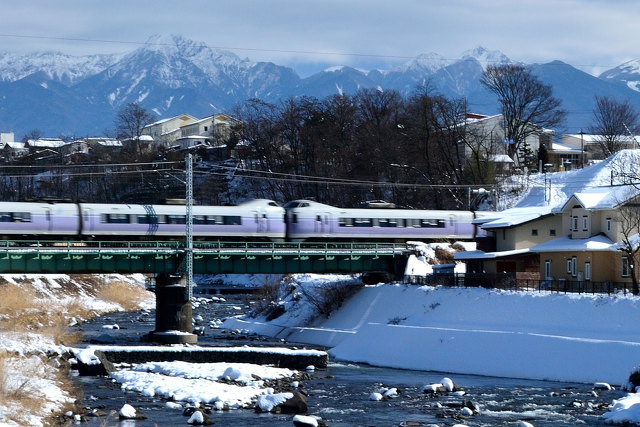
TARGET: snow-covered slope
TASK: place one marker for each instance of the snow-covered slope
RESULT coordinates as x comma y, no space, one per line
554,189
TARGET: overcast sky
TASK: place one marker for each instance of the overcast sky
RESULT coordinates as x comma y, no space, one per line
309,35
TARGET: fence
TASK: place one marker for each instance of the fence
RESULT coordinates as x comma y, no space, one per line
509,281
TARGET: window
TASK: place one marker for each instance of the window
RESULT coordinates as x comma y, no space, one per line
625,267
573,266
15,216
232,220
534,232
587,271
569,266
114,218
574,223
585,223
608,224
547,269
176,219
552,232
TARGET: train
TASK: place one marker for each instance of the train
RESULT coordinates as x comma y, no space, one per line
260,219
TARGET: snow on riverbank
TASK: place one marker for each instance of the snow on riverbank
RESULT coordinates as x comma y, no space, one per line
561,337
476,331
35,312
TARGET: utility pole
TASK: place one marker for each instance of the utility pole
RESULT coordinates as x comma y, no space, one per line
581,149
189,223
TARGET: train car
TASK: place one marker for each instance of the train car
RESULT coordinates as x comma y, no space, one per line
308,220
255,219
35,220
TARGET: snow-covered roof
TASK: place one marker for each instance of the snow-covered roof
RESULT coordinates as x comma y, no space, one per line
514,216
602,197
46,142
501,158
15,145
469,255
564,244
564,148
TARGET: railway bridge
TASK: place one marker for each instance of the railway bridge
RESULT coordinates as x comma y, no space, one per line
166,259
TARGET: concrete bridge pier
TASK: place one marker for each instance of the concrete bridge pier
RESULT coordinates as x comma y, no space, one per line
174,315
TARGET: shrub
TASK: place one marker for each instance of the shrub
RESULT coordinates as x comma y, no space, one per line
444,256
128,296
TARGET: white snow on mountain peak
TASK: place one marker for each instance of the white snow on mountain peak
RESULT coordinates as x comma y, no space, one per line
429,62
486,57
56,66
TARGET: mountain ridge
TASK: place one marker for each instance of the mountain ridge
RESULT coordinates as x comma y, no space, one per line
169,75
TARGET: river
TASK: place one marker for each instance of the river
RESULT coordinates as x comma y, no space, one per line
340,394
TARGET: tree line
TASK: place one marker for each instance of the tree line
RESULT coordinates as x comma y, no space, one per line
414,150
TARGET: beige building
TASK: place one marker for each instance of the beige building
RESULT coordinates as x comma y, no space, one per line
593,225
165,132
513,232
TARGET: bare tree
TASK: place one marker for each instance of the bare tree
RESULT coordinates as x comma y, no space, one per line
629,226
32,134
527,104
614,122
130,120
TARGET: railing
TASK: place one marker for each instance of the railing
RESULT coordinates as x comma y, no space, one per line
508,281
205,246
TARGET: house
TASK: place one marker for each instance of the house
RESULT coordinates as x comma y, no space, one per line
166,131
12,150
585,147
485,137
513,231
593,225
214,130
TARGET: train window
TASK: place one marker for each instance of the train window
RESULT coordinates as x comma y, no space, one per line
383,222
15,217
232,220
199,219
432,223
413,223
147,219
115,218
345,222
392,222
363,222
176,219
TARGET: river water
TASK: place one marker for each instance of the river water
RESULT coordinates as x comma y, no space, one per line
340,394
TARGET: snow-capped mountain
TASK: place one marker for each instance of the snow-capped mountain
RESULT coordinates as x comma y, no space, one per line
67,69
72,95
627,74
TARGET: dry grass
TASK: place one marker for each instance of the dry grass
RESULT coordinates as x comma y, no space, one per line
128,296
24,379
22,311
24,382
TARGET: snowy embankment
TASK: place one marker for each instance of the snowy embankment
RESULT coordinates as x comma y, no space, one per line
39,318
578,338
